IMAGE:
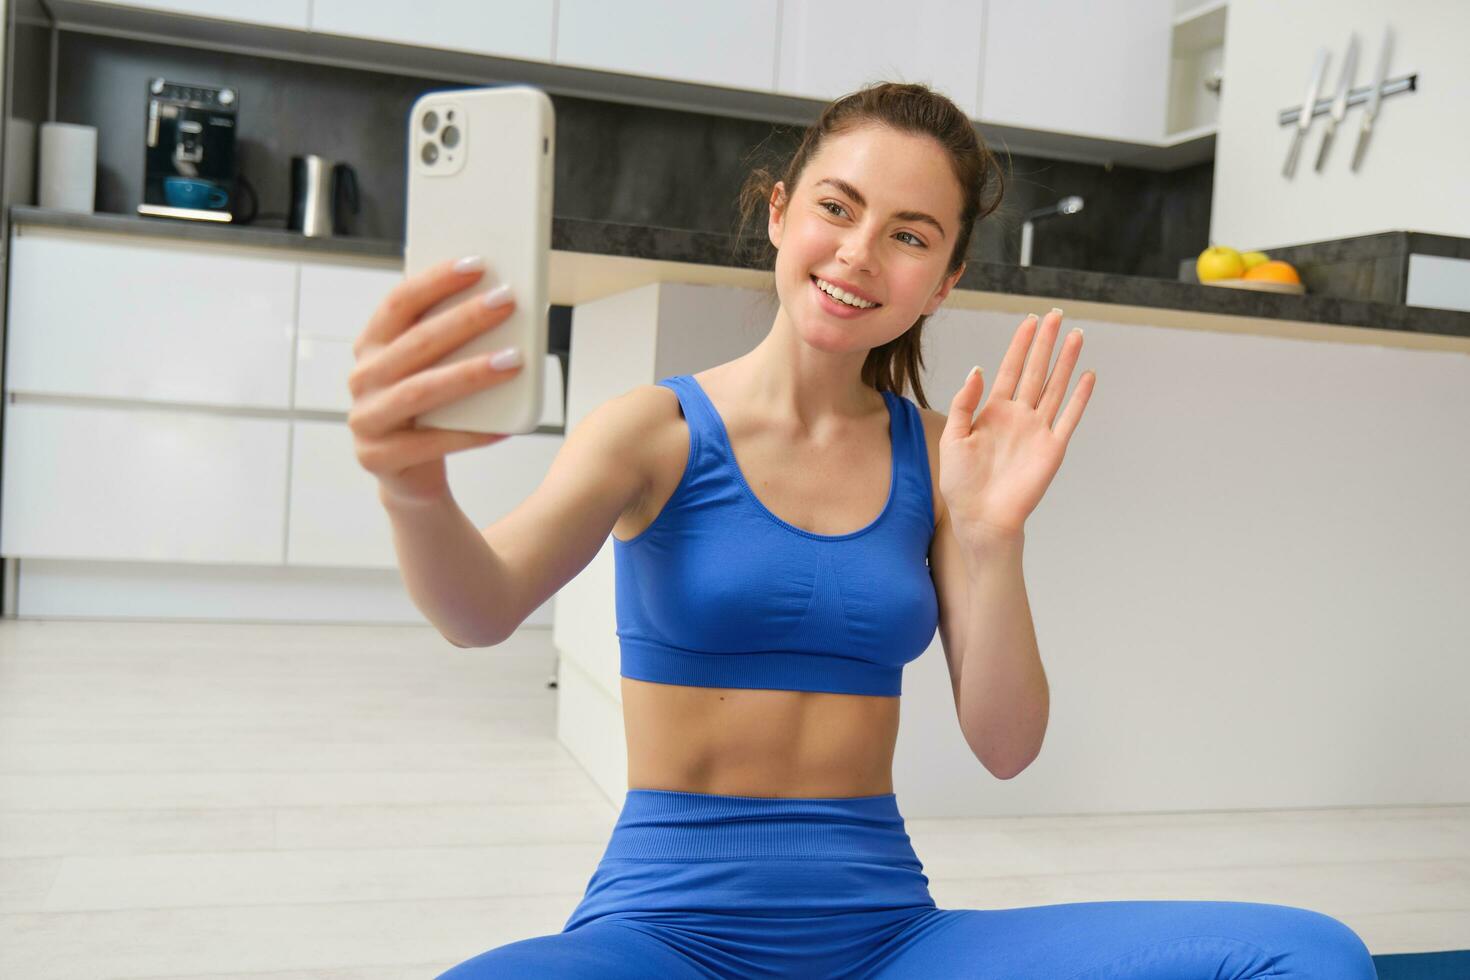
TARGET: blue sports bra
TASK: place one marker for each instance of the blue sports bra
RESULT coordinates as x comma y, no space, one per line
720,592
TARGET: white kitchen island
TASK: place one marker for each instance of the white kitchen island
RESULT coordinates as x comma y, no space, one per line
1247,580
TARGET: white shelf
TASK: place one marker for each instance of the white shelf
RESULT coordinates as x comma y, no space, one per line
1198,52
1200,27
1190,135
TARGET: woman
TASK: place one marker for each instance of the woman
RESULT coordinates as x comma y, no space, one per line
765,614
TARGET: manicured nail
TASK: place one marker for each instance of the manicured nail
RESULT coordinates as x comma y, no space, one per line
1057,310
503,360
470,263
1029,316
498,296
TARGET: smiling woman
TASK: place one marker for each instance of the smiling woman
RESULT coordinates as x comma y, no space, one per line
955,170
765,615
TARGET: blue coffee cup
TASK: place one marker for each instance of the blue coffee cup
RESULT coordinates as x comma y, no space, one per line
191,192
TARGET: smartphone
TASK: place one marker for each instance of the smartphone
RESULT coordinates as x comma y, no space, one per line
479,183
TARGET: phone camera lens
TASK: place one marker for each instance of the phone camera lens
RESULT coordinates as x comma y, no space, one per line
431,121
450,136
449,115
430,152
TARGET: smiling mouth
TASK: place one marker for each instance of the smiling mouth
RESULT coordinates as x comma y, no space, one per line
834,299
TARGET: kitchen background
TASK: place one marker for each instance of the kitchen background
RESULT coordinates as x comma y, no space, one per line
632,164
1258,547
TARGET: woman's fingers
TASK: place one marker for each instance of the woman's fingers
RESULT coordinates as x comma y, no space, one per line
1068,422
1028,391
412,296
1061,376
961,419
426,343
1008,376
389,408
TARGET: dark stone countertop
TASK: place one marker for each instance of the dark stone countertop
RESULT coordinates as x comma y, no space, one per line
1366,267
708,248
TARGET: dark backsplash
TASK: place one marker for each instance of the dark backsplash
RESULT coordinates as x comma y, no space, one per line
614,162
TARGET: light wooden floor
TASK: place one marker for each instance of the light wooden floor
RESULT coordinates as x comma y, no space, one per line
208,800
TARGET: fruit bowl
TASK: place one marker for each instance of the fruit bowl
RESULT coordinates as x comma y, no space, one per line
1268,285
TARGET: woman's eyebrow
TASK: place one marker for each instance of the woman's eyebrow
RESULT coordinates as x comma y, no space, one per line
857,196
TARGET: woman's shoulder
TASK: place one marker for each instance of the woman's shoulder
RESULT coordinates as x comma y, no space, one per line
934,422
656,421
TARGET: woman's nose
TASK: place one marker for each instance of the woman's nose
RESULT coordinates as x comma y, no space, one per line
857,251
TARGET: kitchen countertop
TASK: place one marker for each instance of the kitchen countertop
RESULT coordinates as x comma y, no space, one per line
592,259
1365,267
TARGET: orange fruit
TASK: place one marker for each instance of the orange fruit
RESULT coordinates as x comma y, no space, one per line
1273,271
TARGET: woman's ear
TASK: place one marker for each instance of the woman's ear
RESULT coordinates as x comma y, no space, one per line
777,213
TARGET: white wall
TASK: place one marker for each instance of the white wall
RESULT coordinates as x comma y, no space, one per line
1415,175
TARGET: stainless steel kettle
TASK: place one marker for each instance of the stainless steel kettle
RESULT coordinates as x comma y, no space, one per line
323,193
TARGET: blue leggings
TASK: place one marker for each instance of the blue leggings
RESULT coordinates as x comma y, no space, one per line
704,886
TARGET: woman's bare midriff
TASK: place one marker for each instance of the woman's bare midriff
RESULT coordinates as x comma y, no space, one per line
751,741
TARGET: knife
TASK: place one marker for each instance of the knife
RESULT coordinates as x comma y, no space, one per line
1370,113
1339,104
1304,121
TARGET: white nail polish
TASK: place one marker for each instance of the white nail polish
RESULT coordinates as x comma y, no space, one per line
498,296
470,263
503,360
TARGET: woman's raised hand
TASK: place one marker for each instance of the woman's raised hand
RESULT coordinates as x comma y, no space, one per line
394,379
995,466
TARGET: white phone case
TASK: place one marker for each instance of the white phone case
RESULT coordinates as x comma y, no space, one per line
479,183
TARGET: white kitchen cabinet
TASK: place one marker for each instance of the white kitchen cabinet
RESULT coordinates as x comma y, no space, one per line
830,48
135,484
336,303
337,519
508,30
338,300
1078,67
107,317
724,42
322,367
274,13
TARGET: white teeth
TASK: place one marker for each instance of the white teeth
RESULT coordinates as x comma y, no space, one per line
843,296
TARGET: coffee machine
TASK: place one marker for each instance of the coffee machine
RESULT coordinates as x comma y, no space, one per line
189,155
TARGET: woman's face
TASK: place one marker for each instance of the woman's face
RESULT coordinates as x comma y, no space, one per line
856,216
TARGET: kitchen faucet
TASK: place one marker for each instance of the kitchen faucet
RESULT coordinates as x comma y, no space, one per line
1067,205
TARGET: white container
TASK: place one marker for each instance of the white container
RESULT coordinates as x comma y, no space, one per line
67,180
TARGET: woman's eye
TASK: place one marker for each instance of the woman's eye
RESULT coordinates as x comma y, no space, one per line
833,204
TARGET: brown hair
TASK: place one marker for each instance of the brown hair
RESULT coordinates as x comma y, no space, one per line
906,108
